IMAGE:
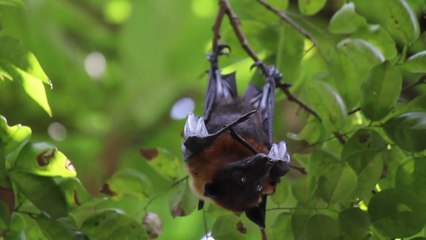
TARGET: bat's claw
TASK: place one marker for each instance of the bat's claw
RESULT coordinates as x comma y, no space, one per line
271,72
279,152
194,126
258,64
222,49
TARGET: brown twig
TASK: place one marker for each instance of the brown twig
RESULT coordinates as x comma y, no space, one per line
225,8
354,110
216,26
287,19
340,137
415,84
291,97
263,234
236,26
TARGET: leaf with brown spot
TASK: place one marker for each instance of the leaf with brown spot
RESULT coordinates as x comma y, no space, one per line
165,163
241,228
107,190
149,153
182,200
43,158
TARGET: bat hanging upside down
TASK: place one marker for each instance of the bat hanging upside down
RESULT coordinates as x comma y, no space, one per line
229,151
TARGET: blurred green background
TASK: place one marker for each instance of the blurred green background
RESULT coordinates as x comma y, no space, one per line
117,68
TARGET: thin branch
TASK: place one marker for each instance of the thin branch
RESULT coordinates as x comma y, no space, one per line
293,98
415,84
216,26
287,19
236,26
225,8
354,110
340,137
263,234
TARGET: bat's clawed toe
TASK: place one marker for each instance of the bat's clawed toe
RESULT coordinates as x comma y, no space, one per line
194,126
222,49
279,152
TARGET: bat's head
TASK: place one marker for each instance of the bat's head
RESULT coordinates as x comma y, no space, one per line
239,185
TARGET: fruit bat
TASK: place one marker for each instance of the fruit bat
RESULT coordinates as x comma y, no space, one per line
229,151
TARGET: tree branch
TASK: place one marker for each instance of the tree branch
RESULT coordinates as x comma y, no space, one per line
293,98
287,19
225,8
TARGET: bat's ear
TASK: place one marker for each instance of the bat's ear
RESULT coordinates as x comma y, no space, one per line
211,190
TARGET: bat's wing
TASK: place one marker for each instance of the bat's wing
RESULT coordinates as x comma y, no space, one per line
263,99
220,88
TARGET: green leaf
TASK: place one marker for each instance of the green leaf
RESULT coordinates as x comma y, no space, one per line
55,229
4,215
346,20
163,162
282,226
322,227
411,175
405,174
112,224
380,91
418,104
23,67
395,15
310,7
369,175
397,213
420,178
356,58
380,38
74,191
337,184
32,85
354,223
304,187
42,191
364,140
282,192
408,131
327,103
320,161
128,182
299,221
13,3
225,227
13,139
357,49
11,51
289,52
416,63
182,200
312,132
45,160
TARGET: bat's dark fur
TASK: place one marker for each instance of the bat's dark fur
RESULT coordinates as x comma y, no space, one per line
229,151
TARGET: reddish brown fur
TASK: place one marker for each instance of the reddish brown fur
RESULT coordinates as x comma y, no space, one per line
222,151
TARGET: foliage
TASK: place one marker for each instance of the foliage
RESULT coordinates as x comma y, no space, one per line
362,71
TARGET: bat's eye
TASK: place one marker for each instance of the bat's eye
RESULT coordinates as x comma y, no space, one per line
239,179
259,188
242,180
